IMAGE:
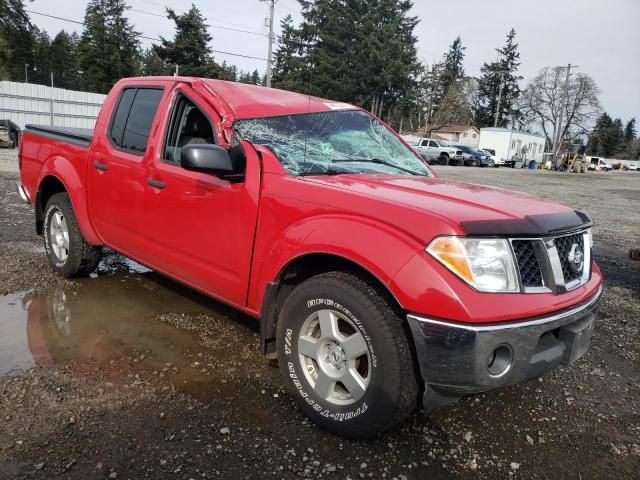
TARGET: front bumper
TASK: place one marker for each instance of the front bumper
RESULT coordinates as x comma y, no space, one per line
457,359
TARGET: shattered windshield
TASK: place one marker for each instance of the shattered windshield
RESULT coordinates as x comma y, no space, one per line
332,143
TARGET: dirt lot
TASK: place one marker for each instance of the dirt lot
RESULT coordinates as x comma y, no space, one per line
128,375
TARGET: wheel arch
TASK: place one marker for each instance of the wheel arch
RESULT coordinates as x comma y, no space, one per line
299,269
51,182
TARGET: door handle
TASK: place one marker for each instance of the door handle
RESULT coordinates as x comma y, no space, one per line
156,183
100,166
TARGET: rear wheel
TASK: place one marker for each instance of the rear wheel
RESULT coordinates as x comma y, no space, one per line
68,253
345,356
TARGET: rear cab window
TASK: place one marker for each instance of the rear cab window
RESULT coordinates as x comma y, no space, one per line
132,119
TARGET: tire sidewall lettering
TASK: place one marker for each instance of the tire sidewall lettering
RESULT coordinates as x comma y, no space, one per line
298,380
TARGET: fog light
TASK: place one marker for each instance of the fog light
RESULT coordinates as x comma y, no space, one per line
500,361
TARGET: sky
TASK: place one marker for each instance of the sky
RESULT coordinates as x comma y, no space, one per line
601,37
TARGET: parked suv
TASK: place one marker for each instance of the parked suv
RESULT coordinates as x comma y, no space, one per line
475,158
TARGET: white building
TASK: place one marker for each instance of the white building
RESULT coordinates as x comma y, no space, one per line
508,143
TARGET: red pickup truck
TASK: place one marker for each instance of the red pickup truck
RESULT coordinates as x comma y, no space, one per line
378,285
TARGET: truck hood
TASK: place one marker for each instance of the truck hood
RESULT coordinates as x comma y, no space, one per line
462,203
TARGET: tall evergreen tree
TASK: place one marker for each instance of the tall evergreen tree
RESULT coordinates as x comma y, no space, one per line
289,69
360,51
190,48
63,60
152,64
453,65
16,40
40,60
630,131
502,71
109,48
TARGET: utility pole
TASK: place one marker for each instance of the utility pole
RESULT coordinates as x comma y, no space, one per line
26,75
272,4
495,120
565,95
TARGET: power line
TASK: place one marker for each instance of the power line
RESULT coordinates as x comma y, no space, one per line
212,26
139,35
206,18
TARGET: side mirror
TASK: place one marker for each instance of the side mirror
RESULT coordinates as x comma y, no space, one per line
207,159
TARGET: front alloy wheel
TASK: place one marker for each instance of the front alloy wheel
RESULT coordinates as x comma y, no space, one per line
334,357
345,355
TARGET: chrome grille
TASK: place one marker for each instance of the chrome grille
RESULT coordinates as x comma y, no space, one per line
564,245
528,264
545,264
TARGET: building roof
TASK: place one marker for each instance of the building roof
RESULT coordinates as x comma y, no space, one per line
455,128
509,130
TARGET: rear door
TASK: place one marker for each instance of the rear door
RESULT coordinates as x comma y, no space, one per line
202,226
116,179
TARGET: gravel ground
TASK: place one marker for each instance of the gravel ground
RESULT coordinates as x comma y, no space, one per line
128,375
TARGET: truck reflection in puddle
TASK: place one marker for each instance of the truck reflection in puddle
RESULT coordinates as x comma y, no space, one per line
101,322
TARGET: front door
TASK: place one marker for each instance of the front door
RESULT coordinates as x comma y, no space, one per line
202,226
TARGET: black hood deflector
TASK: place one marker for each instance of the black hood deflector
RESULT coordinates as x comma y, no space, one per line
544,225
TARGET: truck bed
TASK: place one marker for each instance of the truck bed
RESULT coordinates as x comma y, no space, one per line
77,136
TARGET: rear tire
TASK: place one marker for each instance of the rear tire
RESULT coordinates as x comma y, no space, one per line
345,356
68,253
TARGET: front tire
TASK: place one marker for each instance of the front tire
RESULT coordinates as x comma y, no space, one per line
345,356
68,253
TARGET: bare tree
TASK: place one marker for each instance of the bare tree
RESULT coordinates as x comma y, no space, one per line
545,98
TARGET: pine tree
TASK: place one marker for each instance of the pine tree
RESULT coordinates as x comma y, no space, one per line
40,62
288,64
152,64
359,51
630,131
255,77
16,40
64,64
596,140
109,47
190,48
504,70
453,68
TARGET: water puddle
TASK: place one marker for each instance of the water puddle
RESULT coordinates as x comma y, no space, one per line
115,316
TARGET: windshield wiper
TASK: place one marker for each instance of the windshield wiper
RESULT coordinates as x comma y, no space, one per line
328,171
378,162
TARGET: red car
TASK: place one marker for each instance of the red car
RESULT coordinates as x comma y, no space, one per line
377,285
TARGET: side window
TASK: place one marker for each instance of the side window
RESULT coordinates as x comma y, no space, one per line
120,116
143,111
188,126
424,143
433,144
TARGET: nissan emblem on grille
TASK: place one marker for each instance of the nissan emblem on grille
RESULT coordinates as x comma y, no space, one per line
576,258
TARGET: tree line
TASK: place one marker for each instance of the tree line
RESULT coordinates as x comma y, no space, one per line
108,49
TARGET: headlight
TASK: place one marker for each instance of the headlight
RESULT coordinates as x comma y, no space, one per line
484,263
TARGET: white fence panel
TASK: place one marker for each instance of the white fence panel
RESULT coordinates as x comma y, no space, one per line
26,103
